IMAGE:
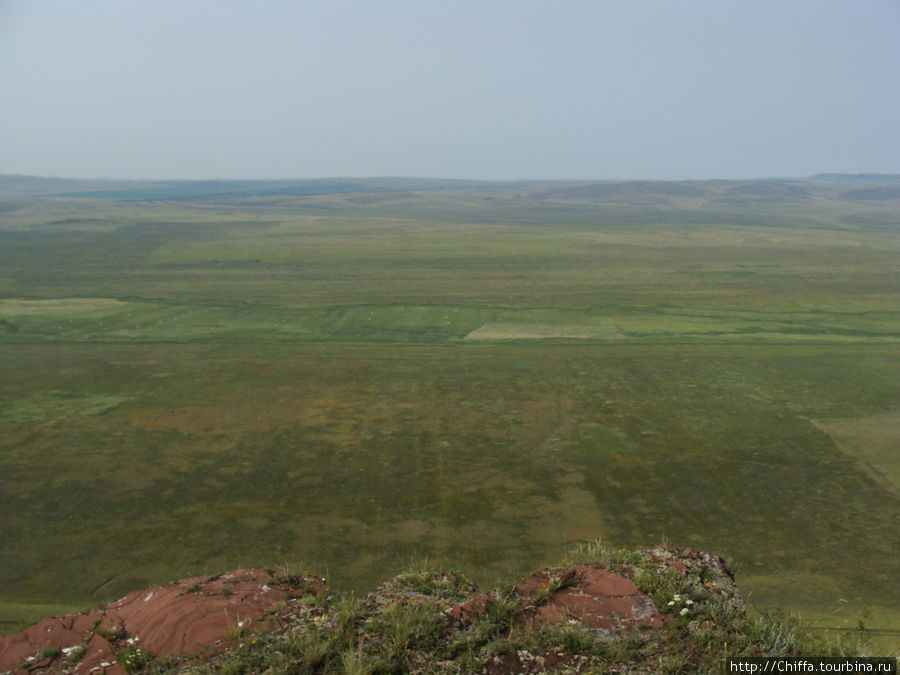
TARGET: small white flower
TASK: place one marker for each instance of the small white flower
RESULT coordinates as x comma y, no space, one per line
671,603
684,611
677,598
689,602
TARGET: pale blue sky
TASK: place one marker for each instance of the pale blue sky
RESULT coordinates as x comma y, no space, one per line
489,89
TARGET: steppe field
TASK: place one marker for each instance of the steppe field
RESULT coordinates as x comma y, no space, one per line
347,376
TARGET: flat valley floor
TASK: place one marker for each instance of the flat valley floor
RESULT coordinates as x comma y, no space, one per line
349,377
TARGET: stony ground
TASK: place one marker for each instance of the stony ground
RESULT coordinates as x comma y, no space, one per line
661,609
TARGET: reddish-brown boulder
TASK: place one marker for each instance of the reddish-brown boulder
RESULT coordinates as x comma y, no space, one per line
590,596
182,618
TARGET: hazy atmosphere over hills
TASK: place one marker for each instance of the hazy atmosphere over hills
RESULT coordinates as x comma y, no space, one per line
502,90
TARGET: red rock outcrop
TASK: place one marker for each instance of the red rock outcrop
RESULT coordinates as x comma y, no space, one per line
183,618
252,617
592,597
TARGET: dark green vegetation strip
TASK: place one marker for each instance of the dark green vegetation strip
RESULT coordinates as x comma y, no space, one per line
474,373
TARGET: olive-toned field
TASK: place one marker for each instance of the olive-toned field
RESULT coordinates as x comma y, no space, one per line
348,375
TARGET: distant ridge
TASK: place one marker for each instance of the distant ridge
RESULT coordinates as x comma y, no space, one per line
593,194
22,184
138,190
855,177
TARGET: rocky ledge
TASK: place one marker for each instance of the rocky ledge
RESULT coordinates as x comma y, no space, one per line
657,609
188,617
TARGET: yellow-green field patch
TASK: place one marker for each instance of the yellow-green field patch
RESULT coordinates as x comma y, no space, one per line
57,307
501,330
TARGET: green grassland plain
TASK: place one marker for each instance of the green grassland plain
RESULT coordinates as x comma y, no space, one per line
347,375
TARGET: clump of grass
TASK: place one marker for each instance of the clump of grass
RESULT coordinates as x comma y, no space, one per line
353,662
554,584
134,659
587,552
231,667
573,639
661,586
399,627
346,612
502,614
74,654
236,631
313,646
445,585
51,654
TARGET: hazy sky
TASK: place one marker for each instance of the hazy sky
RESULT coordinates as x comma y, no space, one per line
492,89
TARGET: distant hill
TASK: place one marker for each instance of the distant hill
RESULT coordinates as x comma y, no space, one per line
878,186
770,191
765,202
856,177
873,193
615,191
34,186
